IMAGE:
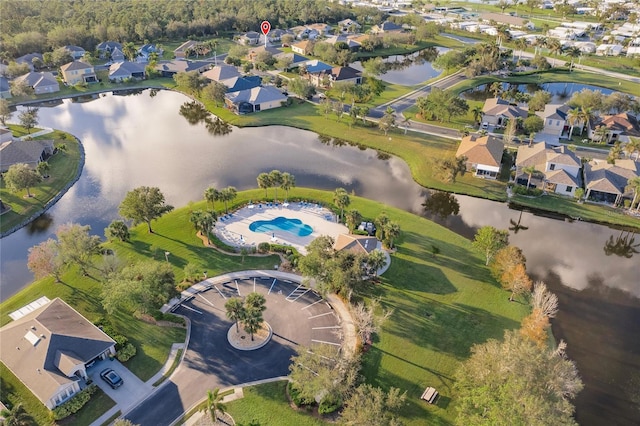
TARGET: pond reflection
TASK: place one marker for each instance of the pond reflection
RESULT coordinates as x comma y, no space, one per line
624,245
40,224
441,204
196,114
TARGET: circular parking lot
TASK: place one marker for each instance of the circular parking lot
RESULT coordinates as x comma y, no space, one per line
297,315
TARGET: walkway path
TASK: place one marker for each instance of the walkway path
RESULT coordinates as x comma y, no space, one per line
44,131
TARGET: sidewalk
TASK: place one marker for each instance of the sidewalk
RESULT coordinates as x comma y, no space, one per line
44,131
148,389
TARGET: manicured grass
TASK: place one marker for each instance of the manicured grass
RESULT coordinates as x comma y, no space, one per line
586,211
14,392
174,365
99,404
64,166
459,123
267,404
19,131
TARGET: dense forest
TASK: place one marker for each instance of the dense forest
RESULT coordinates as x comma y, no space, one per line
43,25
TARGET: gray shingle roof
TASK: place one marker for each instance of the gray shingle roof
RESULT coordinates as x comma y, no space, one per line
75,66
28,152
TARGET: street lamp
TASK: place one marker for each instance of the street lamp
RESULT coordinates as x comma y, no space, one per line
166,256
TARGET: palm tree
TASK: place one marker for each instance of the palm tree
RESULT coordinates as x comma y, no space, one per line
353,218
252,321
17,416
376,260
203,222
496,89
129,50
614,153
235,311
264,182
521,44
211,195
275,177
633,147
288,182
391,232
530,170
214,404
573,52
477,113
573,117
406,123
554,46
586,115
341,199
633,185
600,134
228,194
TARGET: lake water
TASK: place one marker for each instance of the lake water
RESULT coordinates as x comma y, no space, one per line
407,70
142,140
561,92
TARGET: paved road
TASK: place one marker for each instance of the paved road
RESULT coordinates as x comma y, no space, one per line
210,362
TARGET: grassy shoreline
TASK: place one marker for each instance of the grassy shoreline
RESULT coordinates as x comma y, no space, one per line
66,167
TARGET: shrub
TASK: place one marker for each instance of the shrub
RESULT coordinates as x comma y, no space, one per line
523,190
74,404
329,404
159,316
121,341
295,396
126,352
264,247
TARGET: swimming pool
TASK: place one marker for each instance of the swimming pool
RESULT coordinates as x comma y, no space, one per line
294,226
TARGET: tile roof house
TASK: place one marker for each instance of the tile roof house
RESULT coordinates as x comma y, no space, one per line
76,52
230,77
29,152
221,72
126,70
350,42
255,99
606,182
48,347
181,51
303,47
5,88
359,244
484,154
169,68
497,111
28,59
619,127
78,72
558,166
555,122
41,82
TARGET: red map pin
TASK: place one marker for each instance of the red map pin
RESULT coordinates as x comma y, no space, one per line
265,26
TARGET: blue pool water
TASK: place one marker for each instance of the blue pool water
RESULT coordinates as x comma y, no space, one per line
294,226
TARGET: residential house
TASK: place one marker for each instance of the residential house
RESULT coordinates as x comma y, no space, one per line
301,32
497,112
352,44
117,55
386,27
5,88
28,59
304,47
255,99
555,122
633,48
609,50
230,77
322,29
76,52
620,127
250,38
315,67
78,72
126,71
358,244
275,35
484,155
49,347
29,152
182,51
606,182
504,19
333,75
147,50
221,72
557,167
254,51
169,68
294,58
349,26
106,47
41,82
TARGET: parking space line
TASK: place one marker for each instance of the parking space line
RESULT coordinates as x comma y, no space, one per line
328,343
308,306
191,309
206,300
321,315
272,284
323,328
238,288
223,296
254,284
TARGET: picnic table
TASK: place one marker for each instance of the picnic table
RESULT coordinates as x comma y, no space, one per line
430,394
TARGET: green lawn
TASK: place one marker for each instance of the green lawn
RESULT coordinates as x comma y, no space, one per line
64,166
267,404
97,406
19,131
459,123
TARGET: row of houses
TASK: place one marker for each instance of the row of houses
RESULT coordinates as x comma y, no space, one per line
557,169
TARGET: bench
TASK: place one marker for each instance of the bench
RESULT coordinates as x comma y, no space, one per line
430,394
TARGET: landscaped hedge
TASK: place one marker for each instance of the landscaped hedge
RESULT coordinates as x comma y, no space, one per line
126,352
523,190
74,405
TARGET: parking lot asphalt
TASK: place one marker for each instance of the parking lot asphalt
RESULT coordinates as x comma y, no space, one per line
297,316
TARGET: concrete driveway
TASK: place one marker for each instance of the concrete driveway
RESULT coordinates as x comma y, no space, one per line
127,395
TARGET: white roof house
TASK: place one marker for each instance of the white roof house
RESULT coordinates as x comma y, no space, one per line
609,50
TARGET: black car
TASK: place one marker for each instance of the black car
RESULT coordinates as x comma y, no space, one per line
111,377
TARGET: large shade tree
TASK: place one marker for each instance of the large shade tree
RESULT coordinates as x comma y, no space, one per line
143,205
45,259
489,240
77,246
20,176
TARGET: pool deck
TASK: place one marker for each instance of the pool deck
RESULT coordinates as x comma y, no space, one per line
235,231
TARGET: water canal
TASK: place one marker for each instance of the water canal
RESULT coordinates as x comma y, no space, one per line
142,140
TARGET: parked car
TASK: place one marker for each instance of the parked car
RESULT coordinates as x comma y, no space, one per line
112,378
